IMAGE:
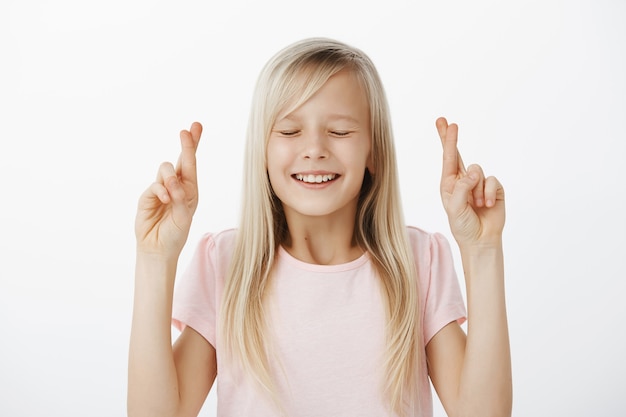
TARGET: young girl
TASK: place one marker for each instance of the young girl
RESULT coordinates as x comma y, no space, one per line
322,302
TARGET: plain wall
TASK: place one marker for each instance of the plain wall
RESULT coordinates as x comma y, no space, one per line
93,95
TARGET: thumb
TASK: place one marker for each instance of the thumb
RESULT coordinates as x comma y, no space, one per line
180,211
461,193
174,188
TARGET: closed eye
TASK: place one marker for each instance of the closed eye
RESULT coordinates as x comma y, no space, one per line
340,133
289,132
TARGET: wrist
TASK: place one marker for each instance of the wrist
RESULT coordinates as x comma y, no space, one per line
482,247
148,260
159,255
483,262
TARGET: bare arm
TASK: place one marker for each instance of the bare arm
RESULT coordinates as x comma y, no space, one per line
472,375
161,379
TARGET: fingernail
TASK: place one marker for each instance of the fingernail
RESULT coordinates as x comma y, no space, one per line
489,203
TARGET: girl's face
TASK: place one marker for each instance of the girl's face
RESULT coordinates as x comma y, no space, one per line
317,154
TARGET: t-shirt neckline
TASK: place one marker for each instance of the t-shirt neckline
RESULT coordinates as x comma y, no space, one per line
356,263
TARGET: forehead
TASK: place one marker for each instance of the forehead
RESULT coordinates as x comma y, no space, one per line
340,97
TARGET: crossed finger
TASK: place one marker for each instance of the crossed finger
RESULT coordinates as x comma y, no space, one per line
493,191
186,165
452,161
478,192
159,187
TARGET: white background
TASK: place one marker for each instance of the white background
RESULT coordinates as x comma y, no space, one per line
93,95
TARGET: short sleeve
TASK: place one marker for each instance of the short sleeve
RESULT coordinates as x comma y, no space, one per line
195,294
443,301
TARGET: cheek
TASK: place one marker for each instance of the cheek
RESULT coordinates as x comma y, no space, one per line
271,161
280,156
360,156
273,177
275,164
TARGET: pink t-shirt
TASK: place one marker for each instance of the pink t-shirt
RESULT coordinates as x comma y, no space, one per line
326,328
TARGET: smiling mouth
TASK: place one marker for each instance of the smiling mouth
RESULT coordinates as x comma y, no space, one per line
315,179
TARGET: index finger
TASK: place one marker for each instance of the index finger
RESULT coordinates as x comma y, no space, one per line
189,139
452,161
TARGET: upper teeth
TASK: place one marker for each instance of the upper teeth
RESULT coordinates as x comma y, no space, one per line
315,178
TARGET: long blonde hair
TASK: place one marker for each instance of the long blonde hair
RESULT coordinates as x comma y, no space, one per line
290,78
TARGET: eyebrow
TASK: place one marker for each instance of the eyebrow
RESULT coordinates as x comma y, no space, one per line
332,117
345,117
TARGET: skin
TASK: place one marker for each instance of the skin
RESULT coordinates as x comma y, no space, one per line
328,135
166,380
471,374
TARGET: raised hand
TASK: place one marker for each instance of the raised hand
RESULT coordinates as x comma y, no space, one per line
474,203
166,208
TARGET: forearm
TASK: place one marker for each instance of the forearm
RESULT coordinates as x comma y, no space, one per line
152,379
485,382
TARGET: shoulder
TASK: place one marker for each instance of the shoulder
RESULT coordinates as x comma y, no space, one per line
426,243
432,255
214,250
441,300
218,241
417,234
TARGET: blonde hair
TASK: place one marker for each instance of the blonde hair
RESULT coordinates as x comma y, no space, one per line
290,78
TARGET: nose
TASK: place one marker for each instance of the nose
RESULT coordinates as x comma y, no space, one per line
315,146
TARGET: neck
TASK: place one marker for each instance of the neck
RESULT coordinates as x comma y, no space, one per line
323,240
